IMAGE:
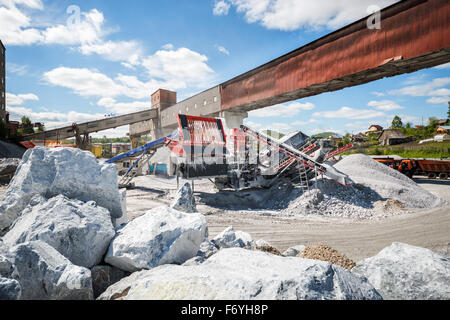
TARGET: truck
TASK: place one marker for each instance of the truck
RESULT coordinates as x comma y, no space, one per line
423,167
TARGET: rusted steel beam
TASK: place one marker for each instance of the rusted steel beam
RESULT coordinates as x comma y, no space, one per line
413,36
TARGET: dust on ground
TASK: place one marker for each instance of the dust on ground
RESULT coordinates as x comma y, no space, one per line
358,239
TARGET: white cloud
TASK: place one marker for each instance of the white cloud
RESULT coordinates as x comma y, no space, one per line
84,82
433,89
179,67
288,15
443,66
222,49
349,113
385,105
17,28
20,70
170,69
378,94
123,107
282,110
221,8
129,51
304,123
439,100
422,90
17,100
54,119
168,46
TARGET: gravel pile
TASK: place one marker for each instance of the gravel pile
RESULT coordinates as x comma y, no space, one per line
378,191
388,183
326,253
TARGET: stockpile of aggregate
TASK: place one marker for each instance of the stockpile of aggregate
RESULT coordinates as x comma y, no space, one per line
377,191
324,252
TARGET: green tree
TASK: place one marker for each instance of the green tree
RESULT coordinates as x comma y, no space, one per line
397,123
448,112
347,139
432,122
27,125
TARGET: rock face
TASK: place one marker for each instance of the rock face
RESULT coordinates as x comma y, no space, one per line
405,272
184,199
241,274
232,239
6,261
80,231
71,172
44,274
10,289
161,236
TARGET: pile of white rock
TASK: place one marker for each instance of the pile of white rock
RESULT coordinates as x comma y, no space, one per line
63,243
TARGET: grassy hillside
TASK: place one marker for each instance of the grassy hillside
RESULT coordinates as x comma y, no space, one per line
439,150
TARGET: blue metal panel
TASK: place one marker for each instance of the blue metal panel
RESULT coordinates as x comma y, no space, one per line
151,145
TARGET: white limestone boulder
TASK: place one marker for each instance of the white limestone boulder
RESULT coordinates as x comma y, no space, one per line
10,289
184,199
405,272
71,172
229,238
44,274
294,251
241,274
80,231
161,236
206,250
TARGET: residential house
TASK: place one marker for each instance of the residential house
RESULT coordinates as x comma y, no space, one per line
392,137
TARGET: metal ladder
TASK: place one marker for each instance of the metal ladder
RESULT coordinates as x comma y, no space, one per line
125,181
303,175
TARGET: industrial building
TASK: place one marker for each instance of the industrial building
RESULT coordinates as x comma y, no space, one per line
2,82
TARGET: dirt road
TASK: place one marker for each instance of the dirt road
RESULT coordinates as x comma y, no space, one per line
356,239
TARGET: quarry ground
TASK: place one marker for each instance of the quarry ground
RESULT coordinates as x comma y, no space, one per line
356,239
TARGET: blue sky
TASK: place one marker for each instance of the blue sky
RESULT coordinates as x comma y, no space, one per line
65,65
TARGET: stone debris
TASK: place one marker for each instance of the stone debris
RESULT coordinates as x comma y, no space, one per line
405,272
388,183
241,274
378,191
324,252
184,199
206,250
294,251
161,236
79,231
232,239
71,172
44,274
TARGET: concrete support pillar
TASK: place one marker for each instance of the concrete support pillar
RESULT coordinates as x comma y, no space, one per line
233,119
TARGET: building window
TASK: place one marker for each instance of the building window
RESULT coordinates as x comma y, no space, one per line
215,99
195,106
204,103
